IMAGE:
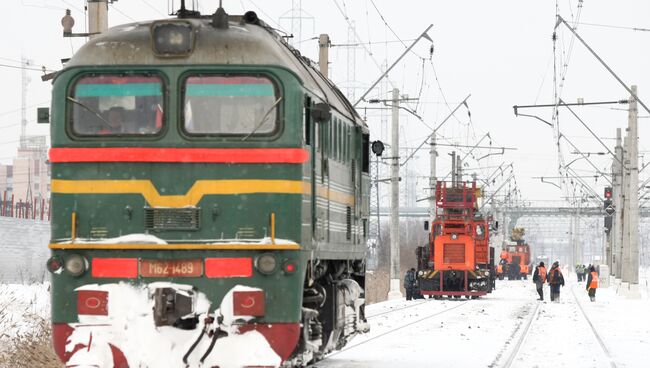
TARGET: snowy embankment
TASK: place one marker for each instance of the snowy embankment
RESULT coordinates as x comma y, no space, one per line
25,326
22,307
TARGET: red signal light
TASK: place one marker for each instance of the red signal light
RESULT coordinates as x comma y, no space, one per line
54,264
608,192
289,267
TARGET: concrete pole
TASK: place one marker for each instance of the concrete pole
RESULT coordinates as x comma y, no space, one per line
579,251
323,54
624,239
459,170
618,205
631,251
395,274
433,154
97,16
572,240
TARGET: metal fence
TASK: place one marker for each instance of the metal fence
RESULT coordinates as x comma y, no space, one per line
33,208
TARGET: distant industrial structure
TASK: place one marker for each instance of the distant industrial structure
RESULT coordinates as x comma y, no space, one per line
25,183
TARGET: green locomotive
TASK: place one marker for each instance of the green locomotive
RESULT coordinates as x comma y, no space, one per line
209,200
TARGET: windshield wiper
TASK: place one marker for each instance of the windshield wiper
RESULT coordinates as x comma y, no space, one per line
266,116
96,113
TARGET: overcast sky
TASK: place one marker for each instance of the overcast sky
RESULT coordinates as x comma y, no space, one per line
499,51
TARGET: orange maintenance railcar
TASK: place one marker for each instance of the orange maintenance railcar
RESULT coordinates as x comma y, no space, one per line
515,261
457,260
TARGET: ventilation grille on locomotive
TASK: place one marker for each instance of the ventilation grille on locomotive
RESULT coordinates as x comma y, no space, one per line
348,223
172,218
454,253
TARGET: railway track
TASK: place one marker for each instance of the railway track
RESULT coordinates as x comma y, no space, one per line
522,338
393,330
517,347
612,364
411,305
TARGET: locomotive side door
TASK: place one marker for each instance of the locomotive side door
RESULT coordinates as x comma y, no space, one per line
319,178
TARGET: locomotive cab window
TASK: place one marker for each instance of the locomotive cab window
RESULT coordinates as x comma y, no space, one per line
117,105
230,105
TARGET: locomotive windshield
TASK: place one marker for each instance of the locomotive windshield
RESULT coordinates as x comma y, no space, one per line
117,105
230,105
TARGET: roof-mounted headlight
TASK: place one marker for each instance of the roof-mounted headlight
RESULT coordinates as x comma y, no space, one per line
172,38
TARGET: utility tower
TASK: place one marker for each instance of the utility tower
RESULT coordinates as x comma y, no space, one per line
296,16
24,80
351,55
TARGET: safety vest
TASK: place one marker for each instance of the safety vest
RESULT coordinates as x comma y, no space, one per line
594,281
499,269
555,272
542,273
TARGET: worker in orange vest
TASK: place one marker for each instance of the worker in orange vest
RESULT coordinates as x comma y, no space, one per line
555,281
539,278
592,283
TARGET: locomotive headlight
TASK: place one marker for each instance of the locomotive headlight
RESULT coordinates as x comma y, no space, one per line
266,263
172,39
75,264
454,236
420,273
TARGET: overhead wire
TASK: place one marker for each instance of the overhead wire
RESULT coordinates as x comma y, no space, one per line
391,29
25,68
20,109
638,29
147,3
356,35
363,43
73,6
279,26
122,13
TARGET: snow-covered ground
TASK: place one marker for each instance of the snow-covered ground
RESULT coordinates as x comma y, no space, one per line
22,307
488,332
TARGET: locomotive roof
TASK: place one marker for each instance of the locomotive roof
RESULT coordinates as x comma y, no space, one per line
240,44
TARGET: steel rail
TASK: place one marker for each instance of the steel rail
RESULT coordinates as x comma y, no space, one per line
515,351
398,328
593,329
398,309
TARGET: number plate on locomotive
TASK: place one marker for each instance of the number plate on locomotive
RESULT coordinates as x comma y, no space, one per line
171,268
